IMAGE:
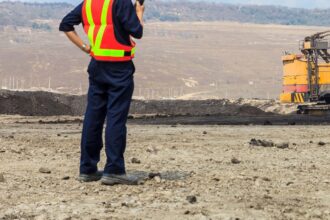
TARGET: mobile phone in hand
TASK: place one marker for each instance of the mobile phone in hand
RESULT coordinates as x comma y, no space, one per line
141,2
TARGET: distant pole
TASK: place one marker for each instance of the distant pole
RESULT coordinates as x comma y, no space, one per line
49,83
22,84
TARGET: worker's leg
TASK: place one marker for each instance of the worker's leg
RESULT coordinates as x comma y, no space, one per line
119,99
91,141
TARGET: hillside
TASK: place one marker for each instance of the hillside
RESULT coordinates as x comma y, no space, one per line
24,14
182,60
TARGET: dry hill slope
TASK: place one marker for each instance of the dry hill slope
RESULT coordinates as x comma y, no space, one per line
183,60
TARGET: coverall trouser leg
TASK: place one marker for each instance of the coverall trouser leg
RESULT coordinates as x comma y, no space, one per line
109,98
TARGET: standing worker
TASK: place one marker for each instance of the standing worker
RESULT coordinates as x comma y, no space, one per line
109,24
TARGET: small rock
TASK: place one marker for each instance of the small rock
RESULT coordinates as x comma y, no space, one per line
311,142
282,146
216,179
191,199
289,183
317,214
266,179
58,135
2,151
151,150
235,161
321,143
135,160
45,170
2,178
327,181
267,197
204,132
157,179
66,178
153,175
262,143
187,212
128,204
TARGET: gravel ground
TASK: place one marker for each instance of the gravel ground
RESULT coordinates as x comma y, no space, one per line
206,172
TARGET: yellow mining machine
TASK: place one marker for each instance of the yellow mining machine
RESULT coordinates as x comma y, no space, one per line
306,79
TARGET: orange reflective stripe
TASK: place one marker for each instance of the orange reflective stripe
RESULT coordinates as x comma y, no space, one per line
100,33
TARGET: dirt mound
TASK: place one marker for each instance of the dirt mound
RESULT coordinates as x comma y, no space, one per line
40,103
49,104
194,108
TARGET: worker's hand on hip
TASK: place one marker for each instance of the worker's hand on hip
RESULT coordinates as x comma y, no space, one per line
87,49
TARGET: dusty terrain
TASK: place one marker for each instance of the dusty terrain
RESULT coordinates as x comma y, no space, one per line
229,178
183,60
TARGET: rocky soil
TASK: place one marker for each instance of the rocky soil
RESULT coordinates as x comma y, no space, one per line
188,172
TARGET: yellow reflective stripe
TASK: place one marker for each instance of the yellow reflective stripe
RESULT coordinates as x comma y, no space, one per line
133,51
112,53
109,53
104,16
90,21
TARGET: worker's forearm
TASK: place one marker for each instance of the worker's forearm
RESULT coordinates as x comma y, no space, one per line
140,16
74,37
139,11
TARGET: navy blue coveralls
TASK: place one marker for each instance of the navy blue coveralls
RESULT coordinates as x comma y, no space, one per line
110,92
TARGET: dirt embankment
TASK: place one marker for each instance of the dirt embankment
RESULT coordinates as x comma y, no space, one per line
40,103
50,104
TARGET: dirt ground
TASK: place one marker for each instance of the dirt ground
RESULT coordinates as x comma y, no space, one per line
207,172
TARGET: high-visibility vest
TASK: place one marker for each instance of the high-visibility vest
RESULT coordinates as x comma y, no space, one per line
98,25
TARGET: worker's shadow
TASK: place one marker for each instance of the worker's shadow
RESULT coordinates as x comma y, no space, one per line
168,175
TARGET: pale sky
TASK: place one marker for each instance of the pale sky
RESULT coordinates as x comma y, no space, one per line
289,3
322,4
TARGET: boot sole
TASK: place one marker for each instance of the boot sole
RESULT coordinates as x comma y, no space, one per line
110,181
87,178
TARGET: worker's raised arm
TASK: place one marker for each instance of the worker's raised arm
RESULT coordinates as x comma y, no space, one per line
130,17
139,11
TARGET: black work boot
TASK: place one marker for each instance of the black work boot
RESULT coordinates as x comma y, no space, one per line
124,179
90,177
